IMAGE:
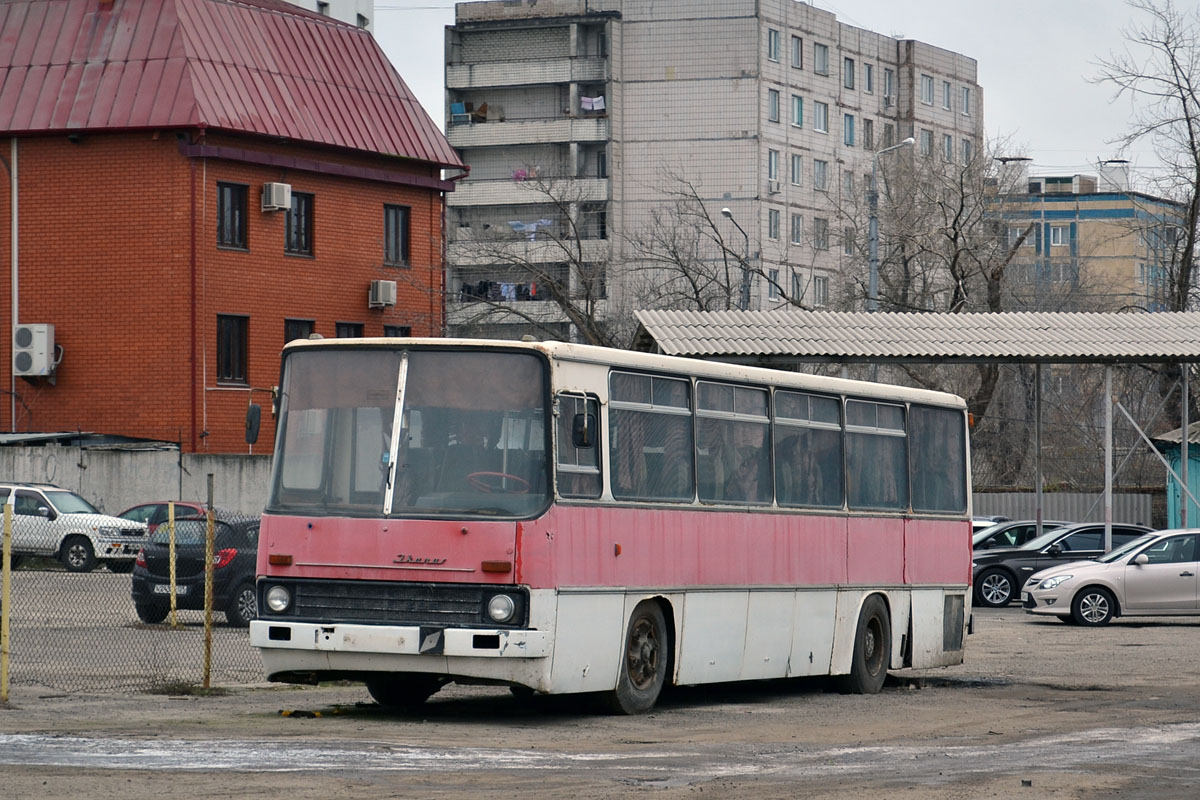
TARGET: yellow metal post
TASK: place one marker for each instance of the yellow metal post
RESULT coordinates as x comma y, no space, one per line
208,586
5,595
171,555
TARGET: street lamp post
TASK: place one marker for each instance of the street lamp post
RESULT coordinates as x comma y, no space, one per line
873,227
744,300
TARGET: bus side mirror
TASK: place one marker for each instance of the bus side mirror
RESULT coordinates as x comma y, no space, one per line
253,419
583,430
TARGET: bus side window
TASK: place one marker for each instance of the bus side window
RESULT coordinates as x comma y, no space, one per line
578,471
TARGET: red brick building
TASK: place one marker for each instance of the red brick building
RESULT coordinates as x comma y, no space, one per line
195,183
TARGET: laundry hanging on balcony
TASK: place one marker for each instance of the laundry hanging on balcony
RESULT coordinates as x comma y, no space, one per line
592,103
529,228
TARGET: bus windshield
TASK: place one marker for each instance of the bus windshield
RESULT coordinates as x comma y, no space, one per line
472,434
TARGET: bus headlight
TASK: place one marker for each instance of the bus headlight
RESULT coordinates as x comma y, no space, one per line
278,599
501,608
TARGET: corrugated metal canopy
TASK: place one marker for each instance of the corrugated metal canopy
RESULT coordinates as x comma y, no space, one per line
793,336
250,66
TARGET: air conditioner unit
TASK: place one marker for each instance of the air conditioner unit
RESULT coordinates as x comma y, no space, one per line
889,101
33,350
383,293
276,196
773,187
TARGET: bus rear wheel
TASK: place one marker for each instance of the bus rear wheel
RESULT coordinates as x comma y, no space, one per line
643,667
872,650
404,692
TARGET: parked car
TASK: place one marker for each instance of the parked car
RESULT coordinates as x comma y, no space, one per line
979,523
1010,534
156,513
235,545
55,522
1000,572
1152,575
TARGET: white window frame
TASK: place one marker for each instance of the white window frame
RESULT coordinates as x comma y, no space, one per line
947,99
820,233
848,67
772,284
797,232
773,165
869,78
820,58
925,142
772,44
889,82
820,174
948,148
773,224
820,117
966,149
966,101
1059,235
797,169
797,52
797,111
848,241
772,105
927,89
848,130
820,293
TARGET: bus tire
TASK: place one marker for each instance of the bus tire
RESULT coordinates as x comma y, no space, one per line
643,668
872,650
403,693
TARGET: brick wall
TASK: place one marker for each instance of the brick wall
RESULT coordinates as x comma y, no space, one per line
107,256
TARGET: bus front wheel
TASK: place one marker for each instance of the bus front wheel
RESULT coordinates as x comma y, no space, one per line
643,667
404,693
872,649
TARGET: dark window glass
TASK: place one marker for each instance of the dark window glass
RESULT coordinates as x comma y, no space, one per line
232,348
397,330
733,460
808,450
395,235
938,454
876,456
299,225
297,329
650,437
578,468
349,330
231,215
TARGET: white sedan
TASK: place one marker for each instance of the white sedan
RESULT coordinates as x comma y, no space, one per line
1153,575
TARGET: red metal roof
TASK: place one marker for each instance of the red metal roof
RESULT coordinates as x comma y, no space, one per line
251,66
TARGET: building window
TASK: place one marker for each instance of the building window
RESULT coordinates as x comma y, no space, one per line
889,134
601,163
966,151
820,233
394,331
926,142
889,84
946,95
869,134
848,130
798,111
772,44
349,330
848,73
797,169
231,215
773,165
966,100
773,105
927,89
595,221
322,8
820,293
797,229
820,59
232,348
821,117
948,147
797,52
773,284
1058,235
773,223
396,235
797,286
820,174
847,183
848,241
362,21
869,78
296,329
298,225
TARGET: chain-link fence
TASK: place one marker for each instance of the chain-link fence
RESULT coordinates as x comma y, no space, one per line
89,602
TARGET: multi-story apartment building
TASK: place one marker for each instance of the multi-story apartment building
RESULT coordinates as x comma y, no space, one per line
769,113
1091,245
356,12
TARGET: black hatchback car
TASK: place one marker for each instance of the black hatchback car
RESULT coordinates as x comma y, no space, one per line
999,573
235,546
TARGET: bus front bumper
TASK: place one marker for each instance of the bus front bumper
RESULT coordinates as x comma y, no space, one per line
399,640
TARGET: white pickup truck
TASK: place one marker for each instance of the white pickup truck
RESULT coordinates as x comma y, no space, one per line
56,522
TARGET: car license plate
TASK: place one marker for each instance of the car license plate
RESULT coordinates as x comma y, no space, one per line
165,588
1024,597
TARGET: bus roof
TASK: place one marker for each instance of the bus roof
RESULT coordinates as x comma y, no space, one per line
629,359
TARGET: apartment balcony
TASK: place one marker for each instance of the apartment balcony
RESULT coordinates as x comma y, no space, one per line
528,131
466,250
525,192
526,73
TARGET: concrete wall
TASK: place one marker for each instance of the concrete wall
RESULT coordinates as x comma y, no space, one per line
113,480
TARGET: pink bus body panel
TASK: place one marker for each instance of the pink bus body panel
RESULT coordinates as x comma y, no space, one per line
605,546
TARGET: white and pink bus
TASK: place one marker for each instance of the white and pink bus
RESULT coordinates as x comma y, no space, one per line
563,518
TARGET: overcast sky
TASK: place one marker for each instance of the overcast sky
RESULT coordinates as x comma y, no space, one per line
1037,59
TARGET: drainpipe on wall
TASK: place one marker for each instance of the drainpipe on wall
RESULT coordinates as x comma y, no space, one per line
12,194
